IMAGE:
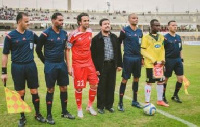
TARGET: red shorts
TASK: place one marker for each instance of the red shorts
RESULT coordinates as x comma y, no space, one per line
83,74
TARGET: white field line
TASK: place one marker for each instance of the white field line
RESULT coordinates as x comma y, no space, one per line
167,114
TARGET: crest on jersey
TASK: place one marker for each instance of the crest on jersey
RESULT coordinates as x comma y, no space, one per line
58,38
135,35
79,38
23,38
90,38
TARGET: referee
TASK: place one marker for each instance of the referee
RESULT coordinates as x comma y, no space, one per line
23,68
174,60
54,41
131,37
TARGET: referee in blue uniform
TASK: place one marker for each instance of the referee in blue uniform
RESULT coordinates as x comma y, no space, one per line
131,38
174,60
23,68
54,41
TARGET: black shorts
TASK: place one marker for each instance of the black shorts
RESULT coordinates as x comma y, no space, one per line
131,65
149,76
56,72
24,72
175,65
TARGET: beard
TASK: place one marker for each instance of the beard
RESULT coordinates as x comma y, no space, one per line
85,27
106,31
59,27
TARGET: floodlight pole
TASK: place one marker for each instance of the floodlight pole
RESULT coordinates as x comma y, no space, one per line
108,4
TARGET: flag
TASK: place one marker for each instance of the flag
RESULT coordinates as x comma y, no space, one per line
186,84
14,102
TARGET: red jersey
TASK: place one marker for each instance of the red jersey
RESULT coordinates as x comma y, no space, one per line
80,43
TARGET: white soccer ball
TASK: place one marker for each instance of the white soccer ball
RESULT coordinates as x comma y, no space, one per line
149,109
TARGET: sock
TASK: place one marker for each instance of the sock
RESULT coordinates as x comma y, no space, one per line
159,92
22,114
147,91
36,103
92,94
63,99
78,96
164,89
121,92
135,90
49,100
178,87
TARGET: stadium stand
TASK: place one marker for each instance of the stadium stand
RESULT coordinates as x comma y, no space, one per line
40,20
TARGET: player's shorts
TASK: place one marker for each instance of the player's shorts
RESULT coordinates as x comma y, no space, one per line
22,72
56,72
149,76
175,65
131,65
83,74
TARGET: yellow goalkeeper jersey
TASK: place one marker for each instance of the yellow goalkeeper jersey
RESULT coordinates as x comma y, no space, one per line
152,49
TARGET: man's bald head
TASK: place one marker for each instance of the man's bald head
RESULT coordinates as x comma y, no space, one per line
133,19
132,14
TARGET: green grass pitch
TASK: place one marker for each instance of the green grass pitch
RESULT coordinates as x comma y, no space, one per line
188,110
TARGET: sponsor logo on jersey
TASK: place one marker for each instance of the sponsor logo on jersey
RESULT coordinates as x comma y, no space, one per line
157,46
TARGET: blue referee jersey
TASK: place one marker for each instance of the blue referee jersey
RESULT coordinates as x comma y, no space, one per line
54,45
20,45
173,46
131,40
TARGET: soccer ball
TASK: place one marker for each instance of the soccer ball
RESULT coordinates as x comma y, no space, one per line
149,109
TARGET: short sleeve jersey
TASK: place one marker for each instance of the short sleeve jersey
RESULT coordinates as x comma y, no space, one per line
154,48
173,46
80,43
131,40
20,45
54,44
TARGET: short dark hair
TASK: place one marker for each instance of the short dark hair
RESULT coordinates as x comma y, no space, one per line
80,16
55,15
171,21
101,21
20,16
152,21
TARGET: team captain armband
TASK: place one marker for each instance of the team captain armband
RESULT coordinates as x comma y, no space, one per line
69,45
4,70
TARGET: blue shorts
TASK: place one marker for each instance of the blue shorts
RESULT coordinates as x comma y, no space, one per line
131,65
56,72
175,65
22,72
